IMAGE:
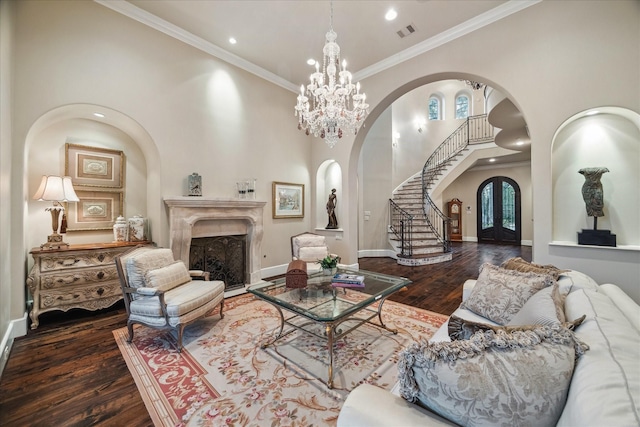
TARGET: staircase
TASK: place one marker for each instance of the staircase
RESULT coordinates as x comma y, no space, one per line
418,228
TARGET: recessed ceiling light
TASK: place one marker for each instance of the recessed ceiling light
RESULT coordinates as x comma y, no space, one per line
98,115
391,15
311,61
232,40
492,160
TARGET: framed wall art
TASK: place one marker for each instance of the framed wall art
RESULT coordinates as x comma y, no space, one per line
288,200
94,166
96,210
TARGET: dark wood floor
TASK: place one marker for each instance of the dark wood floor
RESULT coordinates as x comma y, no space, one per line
69,372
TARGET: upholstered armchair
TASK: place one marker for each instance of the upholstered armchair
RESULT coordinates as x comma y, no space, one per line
159,292
309,247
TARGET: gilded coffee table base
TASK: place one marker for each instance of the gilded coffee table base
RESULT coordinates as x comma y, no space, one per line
331,331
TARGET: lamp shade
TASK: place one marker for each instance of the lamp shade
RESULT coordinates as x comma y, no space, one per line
57,189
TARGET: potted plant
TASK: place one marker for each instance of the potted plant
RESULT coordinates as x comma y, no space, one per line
329,264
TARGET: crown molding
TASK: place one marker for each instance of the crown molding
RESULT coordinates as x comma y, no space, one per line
469,26
129,10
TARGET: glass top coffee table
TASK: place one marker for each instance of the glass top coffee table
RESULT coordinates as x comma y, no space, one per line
321,303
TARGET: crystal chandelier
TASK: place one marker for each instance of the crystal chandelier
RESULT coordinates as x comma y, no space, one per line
331,103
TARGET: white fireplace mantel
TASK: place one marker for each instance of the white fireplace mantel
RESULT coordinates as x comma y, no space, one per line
199,217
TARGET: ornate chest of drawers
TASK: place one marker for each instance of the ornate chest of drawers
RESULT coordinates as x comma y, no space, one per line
80,276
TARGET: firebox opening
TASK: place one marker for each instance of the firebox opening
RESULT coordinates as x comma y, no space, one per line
222,256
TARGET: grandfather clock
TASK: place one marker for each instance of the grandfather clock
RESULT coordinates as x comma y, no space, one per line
454,212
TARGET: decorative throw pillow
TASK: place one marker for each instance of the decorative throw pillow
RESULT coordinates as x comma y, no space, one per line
495,378
499,293
545,307
521,265
167,278
312,253
138,265
463,329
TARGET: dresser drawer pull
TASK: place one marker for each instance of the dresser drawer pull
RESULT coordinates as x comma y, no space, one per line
68,297
100,291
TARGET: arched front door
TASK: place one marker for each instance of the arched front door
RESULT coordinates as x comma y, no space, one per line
499,211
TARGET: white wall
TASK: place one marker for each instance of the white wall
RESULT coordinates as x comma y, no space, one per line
553,60
376,184
9,259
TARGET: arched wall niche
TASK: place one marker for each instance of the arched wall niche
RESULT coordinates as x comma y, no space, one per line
328,177
599,137
76,123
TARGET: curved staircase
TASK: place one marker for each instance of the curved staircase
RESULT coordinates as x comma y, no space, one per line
418,229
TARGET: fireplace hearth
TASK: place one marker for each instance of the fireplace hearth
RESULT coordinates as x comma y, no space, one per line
191,219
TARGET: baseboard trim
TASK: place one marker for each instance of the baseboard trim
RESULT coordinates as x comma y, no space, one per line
377,253
17,328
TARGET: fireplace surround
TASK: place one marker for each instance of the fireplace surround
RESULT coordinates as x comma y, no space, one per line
195,217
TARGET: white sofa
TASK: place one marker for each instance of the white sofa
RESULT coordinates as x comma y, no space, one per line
605,386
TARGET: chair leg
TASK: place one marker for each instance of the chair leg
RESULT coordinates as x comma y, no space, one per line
130,328
180,330
221,307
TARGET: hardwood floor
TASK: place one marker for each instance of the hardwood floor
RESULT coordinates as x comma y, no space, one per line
69,372
438,287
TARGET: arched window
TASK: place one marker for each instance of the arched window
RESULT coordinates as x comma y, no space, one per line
435,108
462,107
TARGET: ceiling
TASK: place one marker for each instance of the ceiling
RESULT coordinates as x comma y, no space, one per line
275,38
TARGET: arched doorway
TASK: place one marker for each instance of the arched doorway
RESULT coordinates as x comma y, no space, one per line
499,211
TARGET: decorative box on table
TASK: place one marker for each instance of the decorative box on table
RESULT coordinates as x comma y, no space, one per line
296,276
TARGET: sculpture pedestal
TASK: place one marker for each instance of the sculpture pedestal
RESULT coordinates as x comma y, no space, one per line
597,238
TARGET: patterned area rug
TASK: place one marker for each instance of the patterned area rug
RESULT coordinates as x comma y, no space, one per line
222,377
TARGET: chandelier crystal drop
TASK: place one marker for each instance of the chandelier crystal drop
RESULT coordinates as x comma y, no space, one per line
331,103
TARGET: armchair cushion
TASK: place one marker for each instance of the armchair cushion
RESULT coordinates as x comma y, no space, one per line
312,253
167,278
137,266
180,300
